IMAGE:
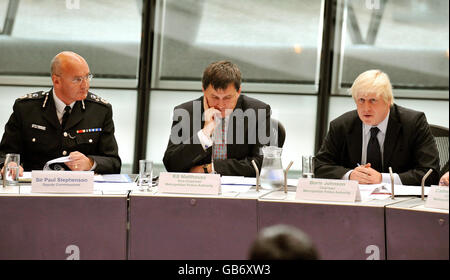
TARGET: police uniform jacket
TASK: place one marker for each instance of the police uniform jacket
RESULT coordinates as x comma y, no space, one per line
34,132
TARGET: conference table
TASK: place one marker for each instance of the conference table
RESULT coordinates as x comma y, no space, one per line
172,226
133,224
416,232
62,226
340,230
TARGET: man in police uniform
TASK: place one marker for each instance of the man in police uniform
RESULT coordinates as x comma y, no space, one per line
65,121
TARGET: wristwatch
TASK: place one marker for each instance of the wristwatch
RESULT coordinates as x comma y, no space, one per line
205,168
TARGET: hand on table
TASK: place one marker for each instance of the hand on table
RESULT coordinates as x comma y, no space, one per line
79,162
364,174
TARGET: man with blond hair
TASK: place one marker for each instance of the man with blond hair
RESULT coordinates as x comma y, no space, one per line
362,144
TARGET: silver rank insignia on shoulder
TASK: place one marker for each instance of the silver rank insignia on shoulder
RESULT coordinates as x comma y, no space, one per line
46,98
95,97
31,95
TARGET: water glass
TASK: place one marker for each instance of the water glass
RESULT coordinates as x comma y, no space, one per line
307,166
145,174
11,169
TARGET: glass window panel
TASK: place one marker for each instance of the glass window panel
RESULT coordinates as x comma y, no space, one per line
3,10
106,33
407,39
436,111
271,41
124,115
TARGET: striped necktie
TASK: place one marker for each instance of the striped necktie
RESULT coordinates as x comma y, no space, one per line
220,147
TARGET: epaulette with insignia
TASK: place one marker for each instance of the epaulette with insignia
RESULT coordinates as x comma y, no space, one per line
34,95
96,98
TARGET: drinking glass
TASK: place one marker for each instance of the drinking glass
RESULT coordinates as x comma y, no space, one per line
307,166
11,170
145,174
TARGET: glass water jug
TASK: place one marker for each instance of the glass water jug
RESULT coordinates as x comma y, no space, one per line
271,175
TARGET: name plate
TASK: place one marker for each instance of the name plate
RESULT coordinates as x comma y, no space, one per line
62,181
328,190
437,197
189,183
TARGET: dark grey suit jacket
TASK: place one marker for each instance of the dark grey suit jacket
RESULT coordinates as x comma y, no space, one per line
409,147
181,157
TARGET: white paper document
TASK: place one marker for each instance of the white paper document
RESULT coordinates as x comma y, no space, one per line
56,160
238,180
248,181
115,188
386,189
112,178
235,188
26,178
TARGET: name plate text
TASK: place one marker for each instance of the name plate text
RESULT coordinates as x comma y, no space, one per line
328,190
62,181
189,183
437,197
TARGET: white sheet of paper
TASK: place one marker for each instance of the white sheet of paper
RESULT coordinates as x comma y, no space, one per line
235,188
238,180
231,180
58,160
112,178
404,190
26,178
115,188
399,190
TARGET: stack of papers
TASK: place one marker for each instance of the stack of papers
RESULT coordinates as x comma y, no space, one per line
112,178
115,188
238,180
26,178
399,190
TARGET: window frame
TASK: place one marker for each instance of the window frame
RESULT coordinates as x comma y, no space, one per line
339,52
252,87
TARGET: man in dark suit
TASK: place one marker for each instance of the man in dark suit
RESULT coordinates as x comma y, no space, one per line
68,120
230,134
362,144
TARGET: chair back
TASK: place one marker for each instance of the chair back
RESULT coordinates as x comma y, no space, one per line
278,133
440,134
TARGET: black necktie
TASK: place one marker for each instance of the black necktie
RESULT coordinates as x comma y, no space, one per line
373,150
65,116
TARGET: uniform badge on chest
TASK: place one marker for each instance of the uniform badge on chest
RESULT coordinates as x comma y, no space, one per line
81,131
40,127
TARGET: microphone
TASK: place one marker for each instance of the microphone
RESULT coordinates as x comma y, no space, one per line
258,184
392,183
423,182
